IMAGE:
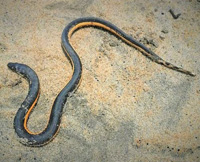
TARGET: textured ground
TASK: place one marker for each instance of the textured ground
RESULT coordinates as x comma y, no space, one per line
127,108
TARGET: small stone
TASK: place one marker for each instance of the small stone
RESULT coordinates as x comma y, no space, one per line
165,31
113,44
161,37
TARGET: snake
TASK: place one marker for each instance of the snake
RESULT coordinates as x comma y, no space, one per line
43,137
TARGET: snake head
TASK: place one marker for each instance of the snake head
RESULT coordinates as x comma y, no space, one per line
12,66
16,67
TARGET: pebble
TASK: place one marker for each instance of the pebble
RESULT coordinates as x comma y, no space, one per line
165,31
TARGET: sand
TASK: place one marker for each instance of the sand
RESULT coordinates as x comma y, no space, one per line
127,108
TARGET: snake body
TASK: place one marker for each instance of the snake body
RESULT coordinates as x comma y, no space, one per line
20,122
